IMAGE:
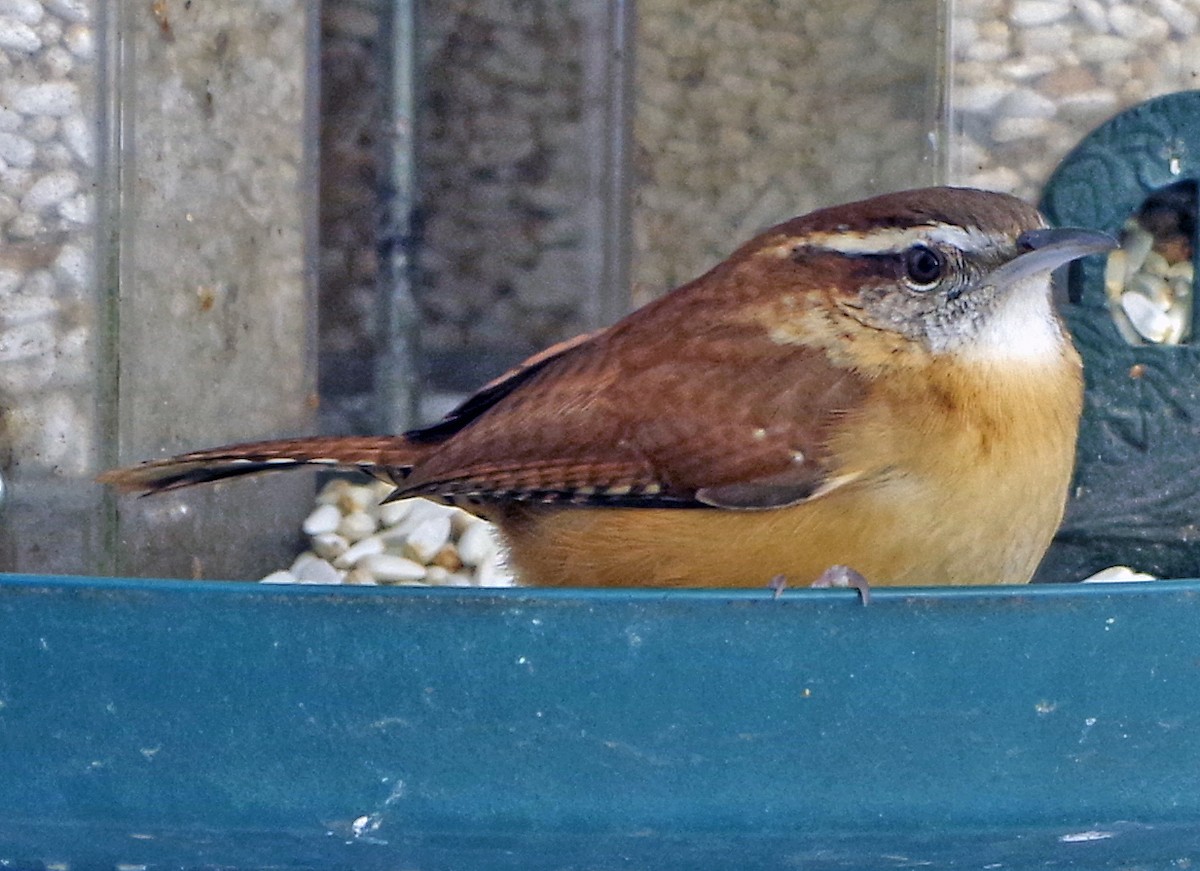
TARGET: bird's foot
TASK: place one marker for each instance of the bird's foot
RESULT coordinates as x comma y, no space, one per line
844,576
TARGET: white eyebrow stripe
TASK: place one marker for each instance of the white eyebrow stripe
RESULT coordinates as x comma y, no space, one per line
892,240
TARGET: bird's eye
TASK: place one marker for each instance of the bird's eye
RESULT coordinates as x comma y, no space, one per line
923,266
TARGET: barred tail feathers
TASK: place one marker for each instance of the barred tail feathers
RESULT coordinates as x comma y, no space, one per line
386,457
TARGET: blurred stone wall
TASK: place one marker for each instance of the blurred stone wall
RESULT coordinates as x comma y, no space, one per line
354,161
751,113
507,243
506,239
1030,78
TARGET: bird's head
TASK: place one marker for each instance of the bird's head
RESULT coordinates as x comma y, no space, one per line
949,271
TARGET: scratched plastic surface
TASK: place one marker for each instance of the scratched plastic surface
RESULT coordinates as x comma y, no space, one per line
208,725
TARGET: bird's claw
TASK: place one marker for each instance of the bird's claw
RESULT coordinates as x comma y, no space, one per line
843,577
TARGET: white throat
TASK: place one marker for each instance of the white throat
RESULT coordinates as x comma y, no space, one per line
1022,329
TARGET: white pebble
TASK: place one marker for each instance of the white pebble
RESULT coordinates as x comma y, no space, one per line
332,492
9,120
50,190
77,209
324,518
1182,19
1047,39
980,98
47,98
964,33
40,283
73,267
1035,13
329,545
356,497
426,539
1026,103
1028,67
1012,129
393,512
49,31
1103,47
436,575
1149,320
1117,573
476,543
316,571
419,511
78,134
283,576
389,568
354,554
23,341
71,10
55,155
25,11
457,579
1093,13
1183,270
1154,288
1133,23
16,150
356,525
26,226
41,128
14,180
56,62
33,302
1136,246
1087,105
460,520
80,41
1155,264
300,560
1179,318
359,577
17,36
987,52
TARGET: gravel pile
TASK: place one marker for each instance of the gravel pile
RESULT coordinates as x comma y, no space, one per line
354,200
1149,280
47,214
751,113
354,539
1031,77
507,188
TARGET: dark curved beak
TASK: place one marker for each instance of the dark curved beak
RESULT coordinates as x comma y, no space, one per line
1047,249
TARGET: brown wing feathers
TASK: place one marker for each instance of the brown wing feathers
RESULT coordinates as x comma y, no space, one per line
574,429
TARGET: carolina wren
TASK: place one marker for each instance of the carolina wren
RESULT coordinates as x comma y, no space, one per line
882,384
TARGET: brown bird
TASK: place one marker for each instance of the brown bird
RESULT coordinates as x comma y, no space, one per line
882,384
